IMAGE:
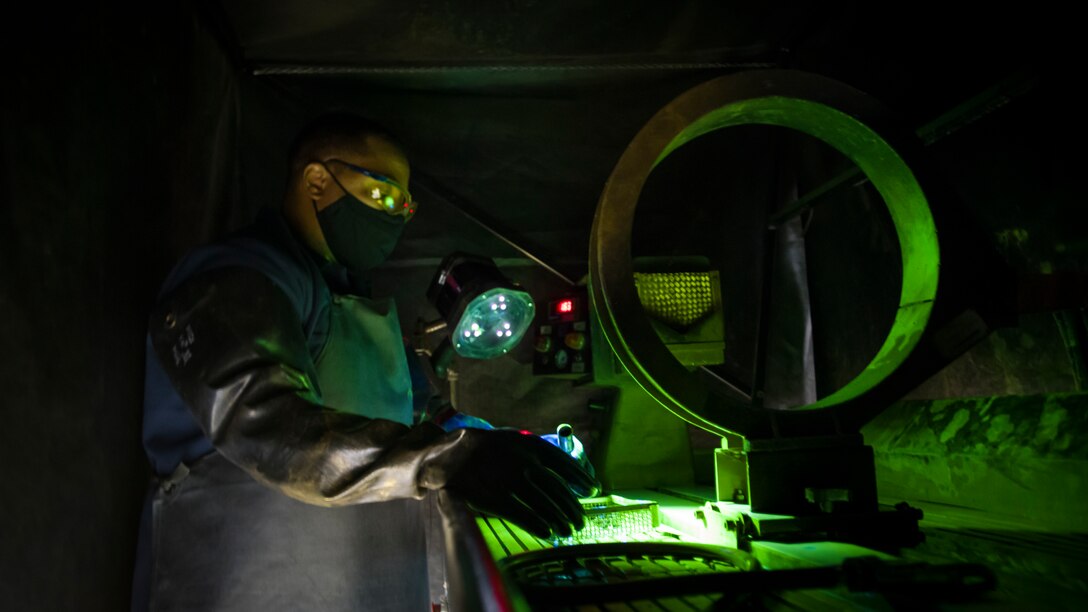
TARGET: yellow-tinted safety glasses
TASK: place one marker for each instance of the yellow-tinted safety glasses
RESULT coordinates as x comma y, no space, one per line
381,192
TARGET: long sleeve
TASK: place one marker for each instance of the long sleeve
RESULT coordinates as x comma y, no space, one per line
232,345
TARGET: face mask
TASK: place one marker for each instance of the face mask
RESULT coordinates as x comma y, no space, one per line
359,237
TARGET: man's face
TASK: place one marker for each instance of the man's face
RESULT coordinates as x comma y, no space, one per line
361,173
323,182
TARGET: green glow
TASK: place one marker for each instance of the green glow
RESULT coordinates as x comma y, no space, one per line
896,184
493,323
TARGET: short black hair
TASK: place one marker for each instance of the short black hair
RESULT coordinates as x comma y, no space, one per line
331,134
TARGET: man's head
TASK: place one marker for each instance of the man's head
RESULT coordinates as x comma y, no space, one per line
347,174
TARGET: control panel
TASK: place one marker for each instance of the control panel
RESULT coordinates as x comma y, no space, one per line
562,343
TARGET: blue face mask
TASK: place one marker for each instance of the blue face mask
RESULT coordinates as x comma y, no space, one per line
359,236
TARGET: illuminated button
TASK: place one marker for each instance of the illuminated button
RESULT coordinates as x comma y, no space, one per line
575,340
543,344
561,359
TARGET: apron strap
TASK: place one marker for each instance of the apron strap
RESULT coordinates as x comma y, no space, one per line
180,473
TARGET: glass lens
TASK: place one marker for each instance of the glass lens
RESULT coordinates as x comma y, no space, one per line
379,192
385,196
493,323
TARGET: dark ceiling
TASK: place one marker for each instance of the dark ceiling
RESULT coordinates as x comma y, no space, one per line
520,108
414,32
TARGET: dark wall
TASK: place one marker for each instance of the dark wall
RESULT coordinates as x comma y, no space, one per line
1014,179
117,139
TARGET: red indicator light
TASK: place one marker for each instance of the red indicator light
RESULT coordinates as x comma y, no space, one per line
565,306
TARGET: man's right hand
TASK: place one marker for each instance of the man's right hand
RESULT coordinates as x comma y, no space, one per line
511,475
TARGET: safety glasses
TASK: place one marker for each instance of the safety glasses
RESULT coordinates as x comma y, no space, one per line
381,192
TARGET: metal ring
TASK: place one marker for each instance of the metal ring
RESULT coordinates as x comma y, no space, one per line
844,118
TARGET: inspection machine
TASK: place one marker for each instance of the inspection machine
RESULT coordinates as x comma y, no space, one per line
793,520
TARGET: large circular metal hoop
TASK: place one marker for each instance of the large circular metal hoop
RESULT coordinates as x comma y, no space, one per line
844,118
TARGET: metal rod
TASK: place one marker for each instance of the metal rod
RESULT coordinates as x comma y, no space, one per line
724,383
451,376
474,214
808,200
435,326
555,66
1071,328
947,124
977,107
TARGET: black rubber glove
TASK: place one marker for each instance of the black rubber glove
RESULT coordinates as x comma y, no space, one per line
232,345
515,476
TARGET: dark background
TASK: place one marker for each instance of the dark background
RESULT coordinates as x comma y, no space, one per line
133,134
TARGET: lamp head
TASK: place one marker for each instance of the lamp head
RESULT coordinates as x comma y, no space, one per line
486,312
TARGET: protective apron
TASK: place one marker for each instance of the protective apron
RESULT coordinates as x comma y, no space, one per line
223,541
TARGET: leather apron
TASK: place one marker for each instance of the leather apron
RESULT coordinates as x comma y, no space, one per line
222,541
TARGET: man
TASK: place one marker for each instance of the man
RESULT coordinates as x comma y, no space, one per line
275,387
